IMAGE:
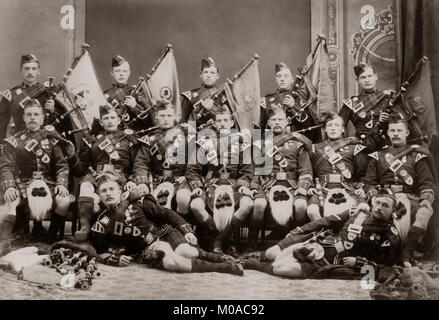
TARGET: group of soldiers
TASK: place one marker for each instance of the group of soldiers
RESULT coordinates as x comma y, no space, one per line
328,198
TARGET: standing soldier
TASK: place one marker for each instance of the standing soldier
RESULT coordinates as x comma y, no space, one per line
200,97
338,168
286,181
291,97
13,101
368,111
225,185
114,150
404,168
33,167
120,96
162,158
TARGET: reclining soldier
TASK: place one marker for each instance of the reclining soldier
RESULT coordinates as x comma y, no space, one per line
114,150
337,169
127,228
33,170
359,237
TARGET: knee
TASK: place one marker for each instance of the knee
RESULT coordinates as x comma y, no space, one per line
423,216
272,252
246,204
169,263
300,206
183,197
197,205
313,212
186,251
86,189
259,207
62,203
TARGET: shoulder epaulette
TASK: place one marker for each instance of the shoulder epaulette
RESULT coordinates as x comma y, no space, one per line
187,94
358,149
420,156
374,155
144,139
12,141
7,95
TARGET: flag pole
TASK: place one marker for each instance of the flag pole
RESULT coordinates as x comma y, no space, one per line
168,48
240,72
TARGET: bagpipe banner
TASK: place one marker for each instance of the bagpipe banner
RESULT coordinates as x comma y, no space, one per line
247,93
81,92
163,81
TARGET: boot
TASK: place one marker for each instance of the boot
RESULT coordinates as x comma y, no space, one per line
85,212
253,233
223,267
39,234
209,227
252,264
56,225
234,225
6,234
413,237
214,257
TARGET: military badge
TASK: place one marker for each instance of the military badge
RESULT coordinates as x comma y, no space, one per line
18,91
348,245
159,157
45,158
127,230
362,114
125,195
39,152
394,230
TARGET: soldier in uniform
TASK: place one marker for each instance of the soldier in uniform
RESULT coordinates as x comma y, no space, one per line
126,228
120,96
33,168
404,169
114,150
369,110
162,158
289,176
197,103
291,96
353,238
13,101
222,181
337,169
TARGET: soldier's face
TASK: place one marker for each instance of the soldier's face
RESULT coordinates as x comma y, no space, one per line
382,208
368,80
122,73
223,123
209,76
110,193
33,118
110,121
284,79
335,128
398,134
278,122
30,72
166,118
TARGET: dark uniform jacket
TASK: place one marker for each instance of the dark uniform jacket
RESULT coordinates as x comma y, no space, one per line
239,165
190,98
27,152
161,154
359,235
410,173
289,155
152,221
12,102
349,166
118,149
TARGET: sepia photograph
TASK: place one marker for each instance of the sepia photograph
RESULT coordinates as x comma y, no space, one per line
230,152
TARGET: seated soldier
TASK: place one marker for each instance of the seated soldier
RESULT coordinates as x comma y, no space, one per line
286,181
126,228
113,150
162,157
225,185
337,167
405,169
360,237
33,168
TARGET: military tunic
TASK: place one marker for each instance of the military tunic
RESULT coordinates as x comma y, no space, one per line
114,151
27,152
12,102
